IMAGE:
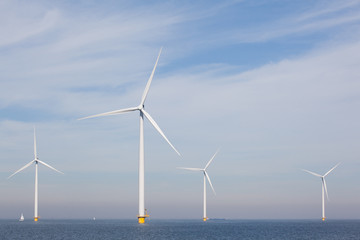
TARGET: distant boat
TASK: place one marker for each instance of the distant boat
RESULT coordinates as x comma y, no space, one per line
94,218
21,217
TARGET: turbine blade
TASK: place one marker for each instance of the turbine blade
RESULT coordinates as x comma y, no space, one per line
208,178
27,165
211,159
324,184
149,81
47,165
35,150
332,169
315,174
147,115
191,169
112,113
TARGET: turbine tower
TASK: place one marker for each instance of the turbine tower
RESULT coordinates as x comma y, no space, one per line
141,108
323,188
206,177
36,161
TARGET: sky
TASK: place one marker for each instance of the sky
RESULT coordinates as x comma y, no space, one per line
273,84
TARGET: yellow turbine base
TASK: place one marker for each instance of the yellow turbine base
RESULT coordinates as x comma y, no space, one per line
141,219
205,219
323,219
36,219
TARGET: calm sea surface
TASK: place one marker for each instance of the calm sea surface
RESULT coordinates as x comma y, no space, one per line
180,229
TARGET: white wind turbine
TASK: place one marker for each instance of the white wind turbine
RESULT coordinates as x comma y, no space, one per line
36,161
206,176
323,189
142,214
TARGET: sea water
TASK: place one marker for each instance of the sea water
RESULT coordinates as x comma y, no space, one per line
180,229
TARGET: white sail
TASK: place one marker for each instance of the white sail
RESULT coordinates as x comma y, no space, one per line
21,217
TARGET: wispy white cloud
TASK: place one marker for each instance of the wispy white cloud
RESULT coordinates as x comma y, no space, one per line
323,16
326,8
20,22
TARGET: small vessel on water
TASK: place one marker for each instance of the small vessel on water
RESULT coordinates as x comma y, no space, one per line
21,218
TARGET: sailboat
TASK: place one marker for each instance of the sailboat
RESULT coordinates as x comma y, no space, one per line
21,218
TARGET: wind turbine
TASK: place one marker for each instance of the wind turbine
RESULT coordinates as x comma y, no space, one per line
36,161
142,212
206,176
323,189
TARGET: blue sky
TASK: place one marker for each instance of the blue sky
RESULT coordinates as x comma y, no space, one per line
275,84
